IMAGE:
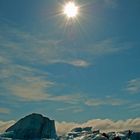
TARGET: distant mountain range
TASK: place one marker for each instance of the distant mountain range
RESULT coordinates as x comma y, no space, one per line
37,127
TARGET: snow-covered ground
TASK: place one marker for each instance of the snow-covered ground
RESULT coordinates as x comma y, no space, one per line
96,135
77,134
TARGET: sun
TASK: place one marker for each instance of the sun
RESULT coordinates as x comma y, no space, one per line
70,10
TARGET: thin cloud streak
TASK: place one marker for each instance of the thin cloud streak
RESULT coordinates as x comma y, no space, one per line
74,109
133,86
32,85
49,51
4,111
105,101
77,63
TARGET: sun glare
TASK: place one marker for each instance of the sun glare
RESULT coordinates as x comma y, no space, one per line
70,10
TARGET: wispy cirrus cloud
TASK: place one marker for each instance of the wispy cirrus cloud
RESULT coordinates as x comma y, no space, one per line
135,106
3,60
133,86
37,92
71,99
79,63
41,50
4,110
30,84
74,109
26,93
19,49
76,62
105,101
107,47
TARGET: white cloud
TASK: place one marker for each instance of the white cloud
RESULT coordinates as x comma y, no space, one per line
10,70
26,87
133,86
77,62
5,125
65,127
23,84
71,99
29,84
36,49
106,125
36,91
30,49
26,93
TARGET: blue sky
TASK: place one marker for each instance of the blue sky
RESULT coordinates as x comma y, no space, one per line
70,70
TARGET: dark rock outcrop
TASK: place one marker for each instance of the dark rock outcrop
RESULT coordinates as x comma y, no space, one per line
77,129
87,129
33,126
80,129
135,136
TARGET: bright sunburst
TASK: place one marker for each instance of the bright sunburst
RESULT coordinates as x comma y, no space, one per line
70,9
